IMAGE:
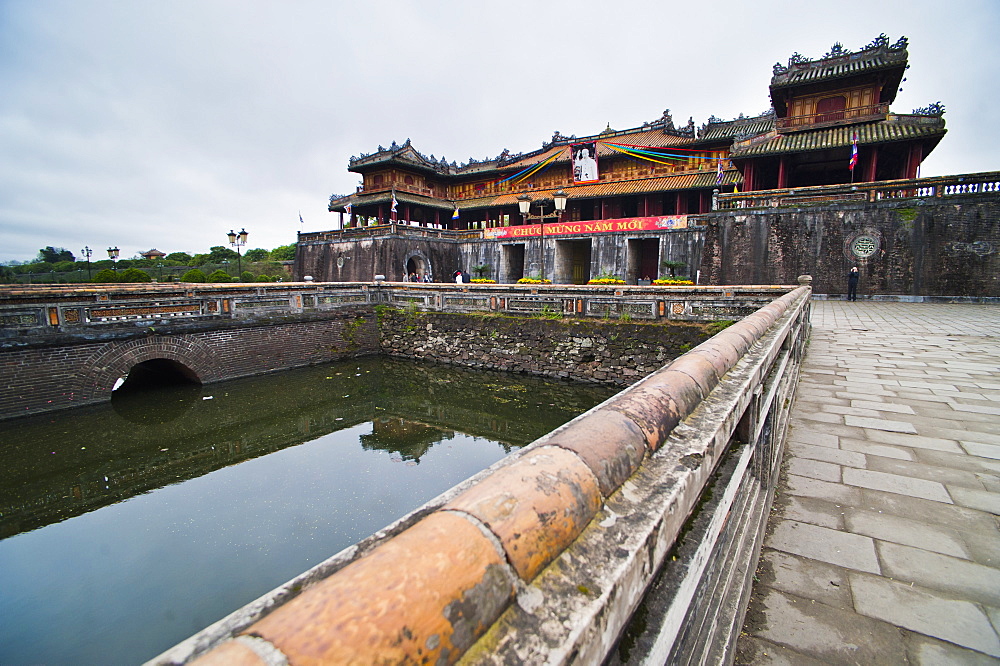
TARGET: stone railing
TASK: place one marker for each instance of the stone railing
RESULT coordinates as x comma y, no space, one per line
945,186
624,302
34,312
394,229
544,557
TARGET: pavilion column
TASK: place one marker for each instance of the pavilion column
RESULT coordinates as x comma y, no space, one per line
916,155
681,205
783,172
871,167
381,217
748,177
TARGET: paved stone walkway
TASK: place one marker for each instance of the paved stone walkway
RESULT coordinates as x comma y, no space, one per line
883,546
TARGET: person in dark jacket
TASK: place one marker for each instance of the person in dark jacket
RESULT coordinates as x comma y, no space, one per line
852,284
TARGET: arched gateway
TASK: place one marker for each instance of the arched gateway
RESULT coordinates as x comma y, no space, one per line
186,357
417,263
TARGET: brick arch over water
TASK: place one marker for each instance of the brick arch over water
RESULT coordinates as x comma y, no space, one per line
99,372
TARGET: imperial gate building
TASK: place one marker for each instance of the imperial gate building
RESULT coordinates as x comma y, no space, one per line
633,197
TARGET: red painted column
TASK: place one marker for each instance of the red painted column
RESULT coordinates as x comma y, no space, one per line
872,165
783,172
916,156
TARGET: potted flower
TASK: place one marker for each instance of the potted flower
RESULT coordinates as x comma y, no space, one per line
606,279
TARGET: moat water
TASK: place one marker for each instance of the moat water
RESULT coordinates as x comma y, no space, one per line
126,528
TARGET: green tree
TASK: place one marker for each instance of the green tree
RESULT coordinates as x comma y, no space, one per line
673,265
65,266
105,275
52,255
134,275
220,253
246,276
194,275
283,253
183,258
220,276
256,254
35,267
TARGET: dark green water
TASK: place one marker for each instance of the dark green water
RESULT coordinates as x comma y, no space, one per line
127,527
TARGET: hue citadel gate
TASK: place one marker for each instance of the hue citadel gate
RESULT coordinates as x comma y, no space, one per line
691,448
825,180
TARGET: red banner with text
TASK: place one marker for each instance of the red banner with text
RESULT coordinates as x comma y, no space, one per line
590,227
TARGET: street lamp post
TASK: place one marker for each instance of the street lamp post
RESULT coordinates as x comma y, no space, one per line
524,205
87,252
113,255
238,240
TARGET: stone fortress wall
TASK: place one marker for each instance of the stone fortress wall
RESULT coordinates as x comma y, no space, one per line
930,238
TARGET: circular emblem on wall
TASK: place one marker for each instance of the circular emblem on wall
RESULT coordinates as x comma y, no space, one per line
862,245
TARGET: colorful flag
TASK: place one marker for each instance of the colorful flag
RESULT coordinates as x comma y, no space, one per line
854,151
718,177
347,209
301,222
454,215
394,202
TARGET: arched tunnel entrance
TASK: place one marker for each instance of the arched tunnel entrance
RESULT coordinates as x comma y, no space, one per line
156,391
417,265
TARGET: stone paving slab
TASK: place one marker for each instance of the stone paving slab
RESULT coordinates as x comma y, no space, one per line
894,483
959,622
883,545
907,532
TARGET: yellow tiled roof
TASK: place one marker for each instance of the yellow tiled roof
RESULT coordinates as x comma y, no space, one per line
897,128
699,180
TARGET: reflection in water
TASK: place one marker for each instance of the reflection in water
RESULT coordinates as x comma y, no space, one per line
131,526
408,438
156,405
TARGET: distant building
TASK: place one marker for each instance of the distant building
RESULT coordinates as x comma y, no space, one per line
153,254
631,195
818,108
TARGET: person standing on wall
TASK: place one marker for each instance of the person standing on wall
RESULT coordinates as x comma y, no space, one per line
852,284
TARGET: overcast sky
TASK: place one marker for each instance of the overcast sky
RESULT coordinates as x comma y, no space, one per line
165,124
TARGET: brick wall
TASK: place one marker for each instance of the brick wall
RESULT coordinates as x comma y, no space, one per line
591,350
45,378
919,247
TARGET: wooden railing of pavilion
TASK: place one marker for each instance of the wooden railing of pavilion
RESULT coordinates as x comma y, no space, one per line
829,118
943,186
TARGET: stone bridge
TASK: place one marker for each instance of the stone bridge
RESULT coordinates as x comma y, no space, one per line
543,557
63,346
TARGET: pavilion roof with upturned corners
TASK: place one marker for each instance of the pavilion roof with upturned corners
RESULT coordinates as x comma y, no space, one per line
742,137
892,129
841,63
